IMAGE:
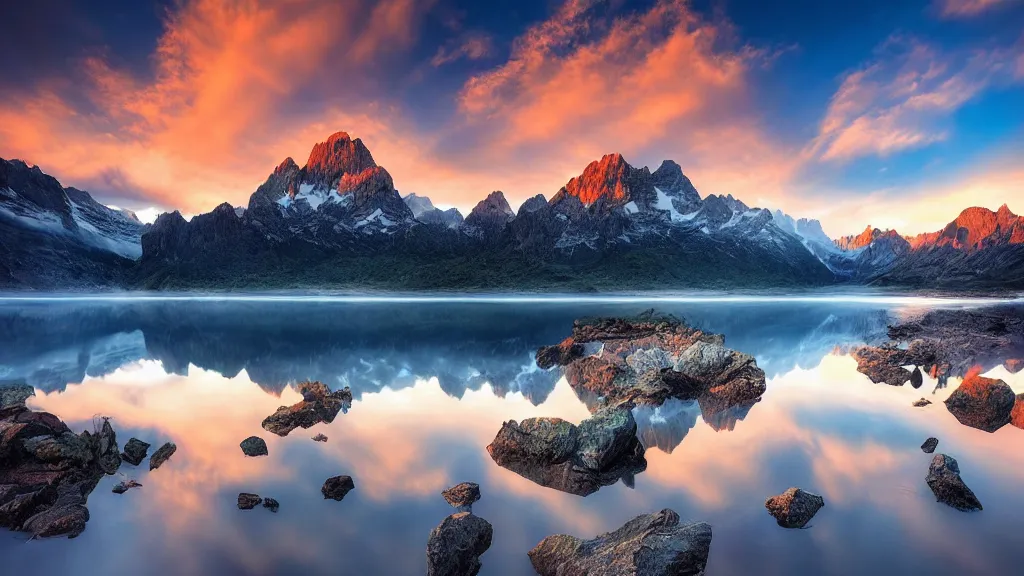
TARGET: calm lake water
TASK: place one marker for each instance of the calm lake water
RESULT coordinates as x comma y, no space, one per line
433,382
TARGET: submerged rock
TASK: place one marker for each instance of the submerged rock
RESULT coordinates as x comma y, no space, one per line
134,451
576,459
455,545
336,487
649,359
124,486
794,508
271,504
462,496
318,405
648,545
921,403
982,403
247,501
161,455
945,482
930,445
320,438
254,446
46,471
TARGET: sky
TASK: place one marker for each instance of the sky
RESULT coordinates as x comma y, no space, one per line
896,114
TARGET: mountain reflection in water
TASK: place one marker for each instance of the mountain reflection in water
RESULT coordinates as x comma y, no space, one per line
433,384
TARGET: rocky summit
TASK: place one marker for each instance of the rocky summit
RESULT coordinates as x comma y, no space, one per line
339,221
648,545
577,459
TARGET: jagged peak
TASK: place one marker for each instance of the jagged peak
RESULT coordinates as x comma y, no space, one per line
494,201
286,165
337,155
533,204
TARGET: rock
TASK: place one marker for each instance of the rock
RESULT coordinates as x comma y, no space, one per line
794,508
161,455
1013,365
15,395
337,487
66,517
247,501
271,504
921,403
648,545
916,378
883,364
108,455
320,438
135,451
254,446
580,460
462,496
1017,414
455,545
124,486
945,482
319,405
929,445
982,403
559,354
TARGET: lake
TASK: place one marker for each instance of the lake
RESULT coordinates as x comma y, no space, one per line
434,379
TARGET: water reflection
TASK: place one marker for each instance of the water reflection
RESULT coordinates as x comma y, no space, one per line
411,433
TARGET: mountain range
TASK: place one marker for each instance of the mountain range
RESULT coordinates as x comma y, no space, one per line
339,222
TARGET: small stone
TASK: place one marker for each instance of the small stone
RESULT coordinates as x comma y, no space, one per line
944,480
271,504
921,403
254,446
462,496
320,438
929,445
161,455
135,451
916,378
247,501
794,508
122,487
336,487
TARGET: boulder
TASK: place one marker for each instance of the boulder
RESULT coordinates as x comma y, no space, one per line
559,354
648,545
15,395
882,364
134,451
982,403
254,446
921,403
462,496
124,486
794,508
944,480
161,455
455,545
916,378
247,501
318,405
576,459
108,455
336,487
930,445
1017,414
271,504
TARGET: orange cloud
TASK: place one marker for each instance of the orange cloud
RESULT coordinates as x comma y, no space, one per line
967,8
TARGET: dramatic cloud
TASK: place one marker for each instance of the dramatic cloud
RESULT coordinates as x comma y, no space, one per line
967,8
904,98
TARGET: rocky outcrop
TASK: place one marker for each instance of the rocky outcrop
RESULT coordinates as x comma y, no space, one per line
318,405
882,365
46,471
336,487
135,451
254,446
462,496
794,508
456,544
576,459
648,545
247,501
945,482
930,445
983,403
162,454
650,359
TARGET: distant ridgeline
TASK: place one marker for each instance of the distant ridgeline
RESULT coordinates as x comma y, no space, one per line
339,222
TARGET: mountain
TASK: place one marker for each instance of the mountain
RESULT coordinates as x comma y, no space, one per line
53,237
339,222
